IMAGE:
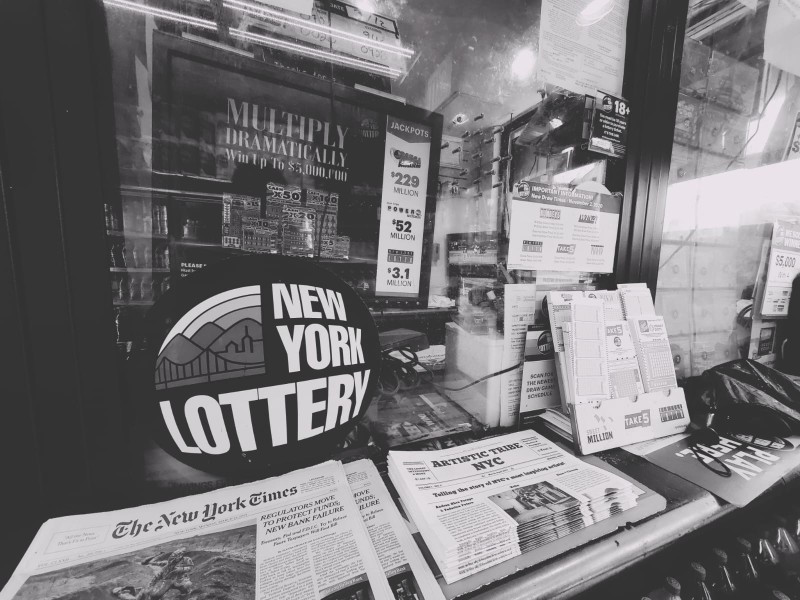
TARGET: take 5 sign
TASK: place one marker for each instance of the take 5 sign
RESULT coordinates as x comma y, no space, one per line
258,361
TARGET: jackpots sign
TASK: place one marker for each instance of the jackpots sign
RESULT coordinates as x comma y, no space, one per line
258,361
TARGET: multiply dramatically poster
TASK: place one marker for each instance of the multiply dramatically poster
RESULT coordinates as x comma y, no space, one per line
279,163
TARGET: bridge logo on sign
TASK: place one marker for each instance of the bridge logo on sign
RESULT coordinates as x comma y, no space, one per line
218,339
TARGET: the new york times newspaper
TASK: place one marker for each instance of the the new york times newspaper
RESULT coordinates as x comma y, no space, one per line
479,504
295,537
406,571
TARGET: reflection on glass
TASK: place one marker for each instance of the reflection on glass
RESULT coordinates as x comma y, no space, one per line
730,179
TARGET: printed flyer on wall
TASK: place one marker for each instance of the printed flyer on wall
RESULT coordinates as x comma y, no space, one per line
405,183
562,229
784,266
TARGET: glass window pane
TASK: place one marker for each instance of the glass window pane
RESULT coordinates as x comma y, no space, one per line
731,178
243,127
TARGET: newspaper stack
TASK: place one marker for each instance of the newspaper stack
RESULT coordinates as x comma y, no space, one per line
329,531
482,503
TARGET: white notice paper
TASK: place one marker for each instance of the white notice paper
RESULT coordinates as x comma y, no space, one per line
782,35
582,45
562,229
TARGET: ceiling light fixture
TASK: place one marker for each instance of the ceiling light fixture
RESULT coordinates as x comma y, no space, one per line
163,14
288,19
314,52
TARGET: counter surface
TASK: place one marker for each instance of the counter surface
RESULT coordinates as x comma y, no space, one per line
688,508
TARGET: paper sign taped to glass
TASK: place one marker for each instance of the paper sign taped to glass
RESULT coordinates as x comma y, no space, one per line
558,228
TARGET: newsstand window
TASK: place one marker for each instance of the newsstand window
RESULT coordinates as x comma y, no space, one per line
415,149
726,268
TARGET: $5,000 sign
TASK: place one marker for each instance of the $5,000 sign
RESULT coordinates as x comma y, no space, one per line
405,183
556,228
784,265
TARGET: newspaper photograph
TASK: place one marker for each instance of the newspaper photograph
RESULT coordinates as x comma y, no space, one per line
482,503
406,570
298,536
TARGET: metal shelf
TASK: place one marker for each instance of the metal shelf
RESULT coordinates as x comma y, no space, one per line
138,270
137,235
134,302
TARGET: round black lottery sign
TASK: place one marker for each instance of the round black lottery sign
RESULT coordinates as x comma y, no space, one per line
258,363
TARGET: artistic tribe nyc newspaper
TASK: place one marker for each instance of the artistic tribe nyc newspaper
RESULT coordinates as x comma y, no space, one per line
480,504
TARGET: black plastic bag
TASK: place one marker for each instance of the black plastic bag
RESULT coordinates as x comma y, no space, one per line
747,396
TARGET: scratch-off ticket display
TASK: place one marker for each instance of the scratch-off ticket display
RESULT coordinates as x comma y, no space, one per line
236,210
297,231
327,207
